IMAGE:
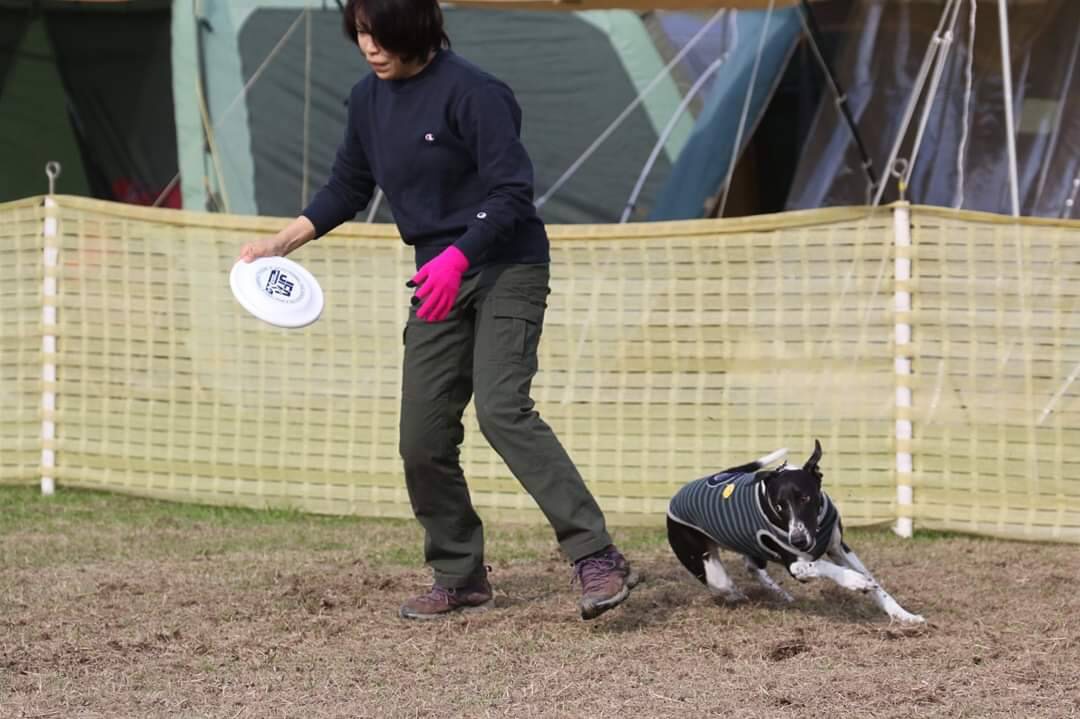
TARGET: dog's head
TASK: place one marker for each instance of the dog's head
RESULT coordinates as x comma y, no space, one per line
794,496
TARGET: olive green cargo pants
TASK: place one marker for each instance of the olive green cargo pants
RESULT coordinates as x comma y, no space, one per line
486,350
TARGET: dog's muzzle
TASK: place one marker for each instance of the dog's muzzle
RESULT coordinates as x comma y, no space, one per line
799,537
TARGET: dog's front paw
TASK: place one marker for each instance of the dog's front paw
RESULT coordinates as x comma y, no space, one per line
802,570
907,617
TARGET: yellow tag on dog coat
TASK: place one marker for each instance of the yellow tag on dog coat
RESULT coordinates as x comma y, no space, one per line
729,490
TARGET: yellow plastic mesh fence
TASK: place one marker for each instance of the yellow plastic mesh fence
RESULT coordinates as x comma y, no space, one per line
21,226
997,329
670,350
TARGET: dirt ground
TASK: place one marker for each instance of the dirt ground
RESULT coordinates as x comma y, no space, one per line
297,618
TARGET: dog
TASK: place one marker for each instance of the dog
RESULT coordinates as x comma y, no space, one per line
779,515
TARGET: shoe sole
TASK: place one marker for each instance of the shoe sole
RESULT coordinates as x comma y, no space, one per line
467,609
592,611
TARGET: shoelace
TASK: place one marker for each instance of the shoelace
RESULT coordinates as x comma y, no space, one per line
441,593
447,593
592,569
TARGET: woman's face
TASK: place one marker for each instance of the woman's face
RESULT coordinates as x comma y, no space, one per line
385,64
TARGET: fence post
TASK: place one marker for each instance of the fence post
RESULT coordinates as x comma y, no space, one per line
902,363
50,259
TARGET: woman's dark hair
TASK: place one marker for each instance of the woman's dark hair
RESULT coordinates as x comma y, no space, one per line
411,29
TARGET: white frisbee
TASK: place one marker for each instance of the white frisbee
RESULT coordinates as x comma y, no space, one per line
277,290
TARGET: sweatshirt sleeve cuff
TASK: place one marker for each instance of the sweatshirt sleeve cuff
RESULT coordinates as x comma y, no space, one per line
476,241
326,213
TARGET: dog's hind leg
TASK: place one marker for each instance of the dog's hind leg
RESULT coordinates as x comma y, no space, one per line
843,555
757,568
717,579
698,553
689,546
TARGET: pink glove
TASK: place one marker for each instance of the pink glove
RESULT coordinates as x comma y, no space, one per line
439,281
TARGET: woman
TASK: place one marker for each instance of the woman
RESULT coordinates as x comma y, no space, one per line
442,139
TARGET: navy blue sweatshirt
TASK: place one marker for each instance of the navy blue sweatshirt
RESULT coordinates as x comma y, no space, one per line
444,146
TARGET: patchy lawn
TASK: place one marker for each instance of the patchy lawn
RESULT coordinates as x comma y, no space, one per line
113,606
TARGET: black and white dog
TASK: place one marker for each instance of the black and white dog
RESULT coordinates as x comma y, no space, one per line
779,515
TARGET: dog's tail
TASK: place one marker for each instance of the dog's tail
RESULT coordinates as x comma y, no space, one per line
760,462
771,457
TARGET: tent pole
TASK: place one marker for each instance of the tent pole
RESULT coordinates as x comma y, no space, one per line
916,91
931,93
305,174
202,26
627,111
662,140
813,34
375,205
1006,76
961,152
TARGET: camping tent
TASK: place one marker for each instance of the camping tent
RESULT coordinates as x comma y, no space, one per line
274,143
239,106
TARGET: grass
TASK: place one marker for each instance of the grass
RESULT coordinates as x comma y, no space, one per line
116,606
23,505
77,525
98,518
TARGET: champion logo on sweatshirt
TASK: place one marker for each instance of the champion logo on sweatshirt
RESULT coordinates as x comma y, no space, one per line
429,137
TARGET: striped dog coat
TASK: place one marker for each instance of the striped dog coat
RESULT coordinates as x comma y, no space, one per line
729,508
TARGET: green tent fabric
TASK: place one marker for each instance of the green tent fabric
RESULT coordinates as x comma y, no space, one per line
573,74
239,106
34,123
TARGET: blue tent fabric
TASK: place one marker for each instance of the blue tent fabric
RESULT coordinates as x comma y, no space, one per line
703,163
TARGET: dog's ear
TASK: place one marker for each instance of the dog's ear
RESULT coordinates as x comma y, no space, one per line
811,465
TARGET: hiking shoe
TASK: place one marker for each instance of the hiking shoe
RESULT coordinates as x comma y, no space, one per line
440,601
606,580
